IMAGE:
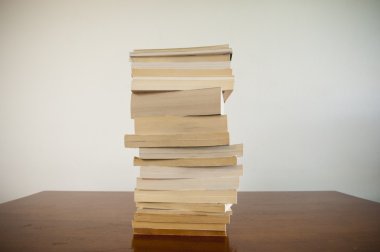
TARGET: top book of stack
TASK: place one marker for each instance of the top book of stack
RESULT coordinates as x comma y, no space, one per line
182,69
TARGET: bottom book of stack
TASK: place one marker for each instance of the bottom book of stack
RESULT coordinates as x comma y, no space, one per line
192,201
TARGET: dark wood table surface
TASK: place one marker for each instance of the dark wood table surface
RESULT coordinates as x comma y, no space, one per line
262,221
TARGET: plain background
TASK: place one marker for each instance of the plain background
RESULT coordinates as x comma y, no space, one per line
306,103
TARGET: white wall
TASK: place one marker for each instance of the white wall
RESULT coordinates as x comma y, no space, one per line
306,104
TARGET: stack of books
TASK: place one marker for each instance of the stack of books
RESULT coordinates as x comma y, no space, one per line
189,172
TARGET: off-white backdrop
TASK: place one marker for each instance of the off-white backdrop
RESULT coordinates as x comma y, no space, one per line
306,103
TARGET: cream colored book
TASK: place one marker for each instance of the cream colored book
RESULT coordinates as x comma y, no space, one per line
184,49
182,65
179,212
208,101
175,207
191,162
183,218
218,183
186,58
168,125
192,152
138,72
177,140
204,50
149,84
175,225
166,172
196,196
176,232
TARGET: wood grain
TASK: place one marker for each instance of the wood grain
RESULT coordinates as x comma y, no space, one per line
262,221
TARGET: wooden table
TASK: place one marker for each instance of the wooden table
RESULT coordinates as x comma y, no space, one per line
262,221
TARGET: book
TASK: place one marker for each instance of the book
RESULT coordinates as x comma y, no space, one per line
208,101
191,196
189,172
204,50
164,125
187,207
217,183
166,172
183,58
182,65
181,226
151,231
192,152
184,49
178,211
143,72
149,84
177,140
191,162
183,218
